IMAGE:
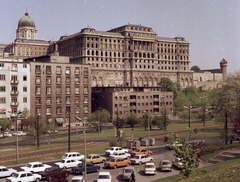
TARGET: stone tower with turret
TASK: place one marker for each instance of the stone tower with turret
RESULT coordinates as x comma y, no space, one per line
223,65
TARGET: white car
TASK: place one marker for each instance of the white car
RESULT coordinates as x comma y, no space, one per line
24,177
165,165
19,133
115,150
7,134
73,155
104,177
123,155
177,163
78,179
140,159
67,163
5,172
150,168
35,167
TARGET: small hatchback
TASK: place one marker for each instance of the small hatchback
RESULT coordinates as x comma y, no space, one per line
165,165
150,168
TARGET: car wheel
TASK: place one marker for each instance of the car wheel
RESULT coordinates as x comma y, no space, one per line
37,180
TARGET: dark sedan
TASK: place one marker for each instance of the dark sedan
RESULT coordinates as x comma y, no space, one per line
49,174
89,166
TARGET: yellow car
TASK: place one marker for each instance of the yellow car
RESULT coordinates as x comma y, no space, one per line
95,158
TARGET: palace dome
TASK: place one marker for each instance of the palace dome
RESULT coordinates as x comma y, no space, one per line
26,21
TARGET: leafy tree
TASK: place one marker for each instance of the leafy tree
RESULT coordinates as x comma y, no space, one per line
168,86
228,106
132,119
195,68
145,119
188,153
158,122
162,121
5,124
98,119
119,122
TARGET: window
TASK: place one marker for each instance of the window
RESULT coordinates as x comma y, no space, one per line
38,110
2,89
38,100
68,90
48,70
14,89
68,80
85,100
85,80
58,70
58,90
38,90
48,100
77,99
48,111
68,70
48,80
59,110
68,100
24,89
85,71
1,65
37,69
24,78
2,100
58,100
48,90
85,109
77,71
13,77
58,80
14,66
77,89
24,65
77,80
2,77
85,90
38,80
24,99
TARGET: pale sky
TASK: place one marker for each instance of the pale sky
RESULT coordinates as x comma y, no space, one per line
211,26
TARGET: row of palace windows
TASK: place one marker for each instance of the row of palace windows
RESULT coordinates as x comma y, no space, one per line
48,100
59,90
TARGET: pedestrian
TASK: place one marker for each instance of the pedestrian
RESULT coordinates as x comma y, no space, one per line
133,177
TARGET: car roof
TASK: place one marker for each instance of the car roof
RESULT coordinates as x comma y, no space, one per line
165,160
34,163
77,177
149,163
72,153
129,167
3,167
104,173
140,155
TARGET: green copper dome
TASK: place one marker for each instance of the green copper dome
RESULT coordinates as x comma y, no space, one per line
26,21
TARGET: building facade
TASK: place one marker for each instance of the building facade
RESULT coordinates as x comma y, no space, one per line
130,55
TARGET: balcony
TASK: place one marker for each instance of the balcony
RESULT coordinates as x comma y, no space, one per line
14,103
48,114
14,81
49,72
58,72
77,72
14,92
68,72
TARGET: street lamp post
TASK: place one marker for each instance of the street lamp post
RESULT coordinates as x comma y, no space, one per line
38,132
69,115
16,125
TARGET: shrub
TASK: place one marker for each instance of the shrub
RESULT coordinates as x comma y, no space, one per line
113,143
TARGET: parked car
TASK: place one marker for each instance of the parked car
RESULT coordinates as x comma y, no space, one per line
123,155
95,158
150,168
113,150
104,177
78,179
80,169
24,176
127,171
141,151
177,163
116,162
35,167
67,163
7,134
165,165
19,133
170,146
140,159
49,173
5,172
73,155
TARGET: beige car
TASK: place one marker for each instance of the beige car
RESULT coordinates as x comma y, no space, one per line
165,165
95,158
127,171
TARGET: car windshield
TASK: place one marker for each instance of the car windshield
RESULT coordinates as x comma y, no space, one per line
149,166
112,160
128,170
165,163
15,175
62,161
103,177
89,157
136,157
65,155
28,165
111,149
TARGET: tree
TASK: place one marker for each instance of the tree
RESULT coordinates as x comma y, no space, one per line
188,153
158,122
132,119
5,124
195,68
145,119
228,107
98,119
168,86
